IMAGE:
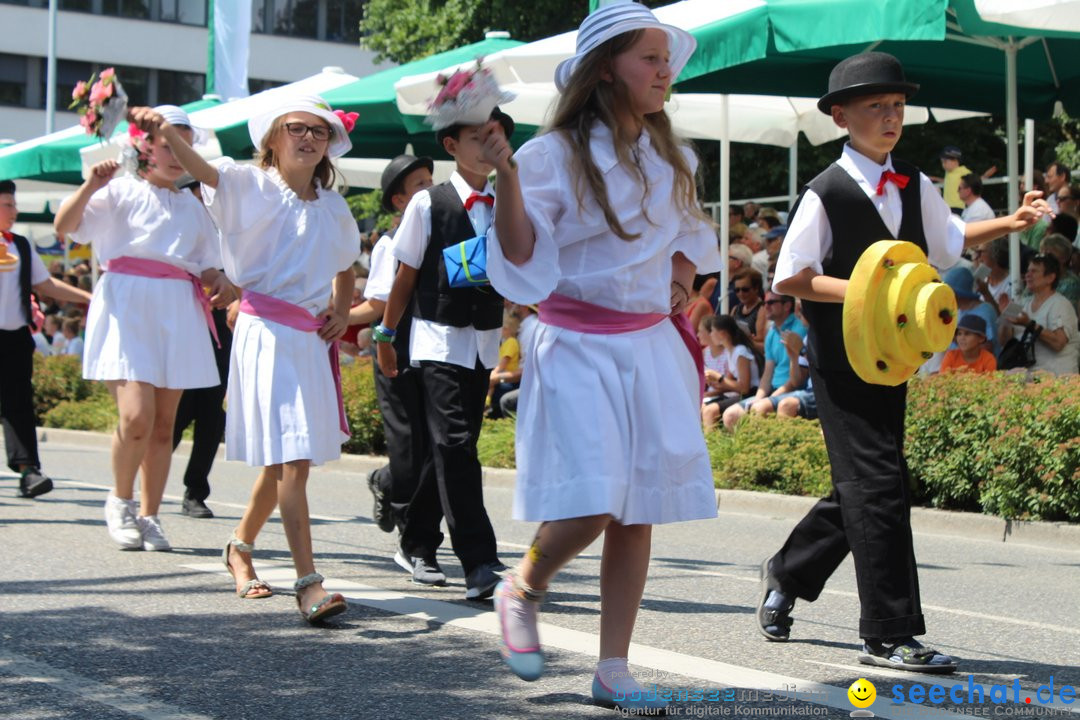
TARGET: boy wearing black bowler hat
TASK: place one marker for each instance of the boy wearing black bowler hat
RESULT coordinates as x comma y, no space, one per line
455,342
865,196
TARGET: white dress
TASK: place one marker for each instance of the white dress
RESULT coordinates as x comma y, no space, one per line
607,424
281,397
148,329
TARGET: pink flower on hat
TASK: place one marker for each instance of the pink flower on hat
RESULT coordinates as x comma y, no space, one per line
347,119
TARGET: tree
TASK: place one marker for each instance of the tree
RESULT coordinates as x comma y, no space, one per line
407,30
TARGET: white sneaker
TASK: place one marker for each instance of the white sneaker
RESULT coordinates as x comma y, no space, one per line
153,537
122,524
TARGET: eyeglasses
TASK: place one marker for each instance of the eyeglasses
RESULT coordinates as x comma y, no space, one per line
299,130
743,289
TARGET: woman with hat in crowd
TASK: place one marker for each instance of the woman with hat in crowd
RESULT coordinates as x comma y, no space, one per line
149,328
287,239
598,219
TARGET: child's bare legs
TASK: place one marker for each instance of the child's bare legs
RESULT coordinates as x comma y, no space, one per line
623,568
135,407
710,415
292,501
264,498
557,542
158,454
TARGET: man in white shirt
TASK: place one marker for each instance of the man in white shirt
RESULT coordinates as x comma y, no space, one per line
975,208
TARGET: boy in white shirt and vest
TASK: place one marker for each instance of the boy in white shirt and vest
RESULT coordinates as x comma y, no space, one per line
865,196
455,343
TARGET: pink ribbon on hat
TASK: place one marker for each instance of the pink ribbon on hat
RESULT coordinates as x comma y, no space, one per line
347,119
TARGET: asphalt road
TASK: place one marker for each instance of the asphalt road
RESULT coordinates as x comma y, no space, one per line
91,632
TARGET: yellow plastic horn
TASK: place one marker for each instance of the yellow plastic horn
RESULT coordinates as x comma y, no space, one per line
7,262
897,313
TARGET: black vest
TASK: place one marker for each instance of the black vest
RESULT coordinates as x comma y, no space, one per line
22,246
435,300
856,225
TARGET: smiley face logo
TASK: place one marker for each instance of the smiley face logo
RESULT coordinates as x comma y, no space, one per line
862,693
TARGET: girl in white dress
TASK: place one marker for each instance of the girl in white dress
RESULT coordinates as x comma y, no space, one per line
598,221
147,332
288,240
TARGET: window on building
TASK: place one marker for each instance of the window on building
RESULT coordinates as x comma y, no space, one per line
343,20
178,88
256,85
136,9
29,3
68,73
187,12
12,79
80,5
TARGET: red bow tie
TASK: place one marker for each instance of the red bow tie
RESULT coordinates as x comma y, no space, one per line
7,236
477,197
897,179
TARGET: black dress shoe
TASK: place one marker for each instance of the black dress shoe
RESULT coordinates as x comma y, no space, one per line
381,513
33,482
195,508
773,619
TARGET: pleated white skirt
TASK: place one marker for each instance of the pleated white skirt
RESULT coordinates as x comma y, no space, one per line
150,330
282,405
609,424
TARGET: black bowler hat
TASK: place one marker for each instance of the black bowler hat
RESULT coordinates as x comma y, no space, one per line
870,73
7,187
452,130
395,174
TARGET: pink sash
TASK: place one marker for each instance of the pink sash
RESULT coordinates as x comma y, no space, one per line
296,317
142,267
580,316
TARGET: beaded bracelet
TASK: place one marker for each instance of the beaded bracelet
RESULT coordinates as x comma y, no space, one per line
381,333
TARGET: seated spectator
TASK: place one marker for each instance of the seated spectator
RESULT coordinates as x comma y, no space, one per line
750,288
715,361
1032,236
505,376
739,258
754,238
1068,197
801,403
997,288
971,352
968,302
768,218
49,340
1050,317
975,208
740,379
774,238
1063,224
782,373
526,315
750,212
698,306
1060,247
73,344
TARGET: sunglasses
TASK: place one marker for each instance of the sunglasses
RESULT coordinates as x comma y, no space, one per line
743,289
299,130
773,301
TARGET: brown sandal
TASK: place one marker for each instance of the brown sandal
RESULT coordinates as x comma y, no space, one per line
253,589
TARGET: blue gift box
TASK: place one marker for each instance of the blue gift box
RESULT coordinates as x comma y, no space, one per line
466,263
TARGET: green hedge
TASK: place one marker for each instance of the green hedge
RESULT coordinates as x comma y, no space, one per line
982,443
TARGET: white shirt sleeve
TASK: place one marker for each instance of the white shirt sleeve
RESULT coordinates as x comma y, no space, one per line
414,232
38,272
381,276
943,230
543,178
697,239
97,218
239,200
808,240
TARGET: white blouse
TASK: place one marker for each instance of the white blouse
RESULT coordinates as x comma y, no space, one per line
732,358
809,237
274,243
577,255
132,217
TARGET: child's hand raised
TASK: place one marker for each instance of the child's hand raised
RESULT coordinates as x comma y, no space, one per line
146,119
497,151
101,174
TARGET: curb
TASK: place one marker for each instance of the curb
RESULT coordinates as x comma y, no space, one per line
928,521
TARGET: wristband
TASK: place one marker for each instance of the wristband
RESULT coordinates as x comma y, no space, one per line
381,333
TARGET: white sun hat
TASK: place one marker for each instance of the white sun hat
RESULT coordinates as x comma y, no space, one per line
178,116
340,143
614,19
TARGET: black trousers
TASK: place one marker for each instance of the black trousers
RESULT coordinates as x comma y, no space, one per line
454,409
17,397
206,408
868,513
401,402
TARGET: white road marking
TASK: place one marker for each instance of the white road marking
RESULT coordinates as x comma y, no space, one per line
92,690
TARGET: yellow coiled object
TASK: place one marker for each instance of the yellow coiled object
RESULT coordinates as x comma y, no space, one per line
897,313
7,262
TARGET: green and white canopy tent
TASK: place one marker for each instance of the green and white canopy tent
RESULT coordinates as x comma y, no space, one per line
1001,56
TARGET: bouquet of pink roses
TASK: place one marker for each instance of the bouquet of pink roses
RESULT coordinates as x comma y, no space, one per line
136,154
466,97
101,103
